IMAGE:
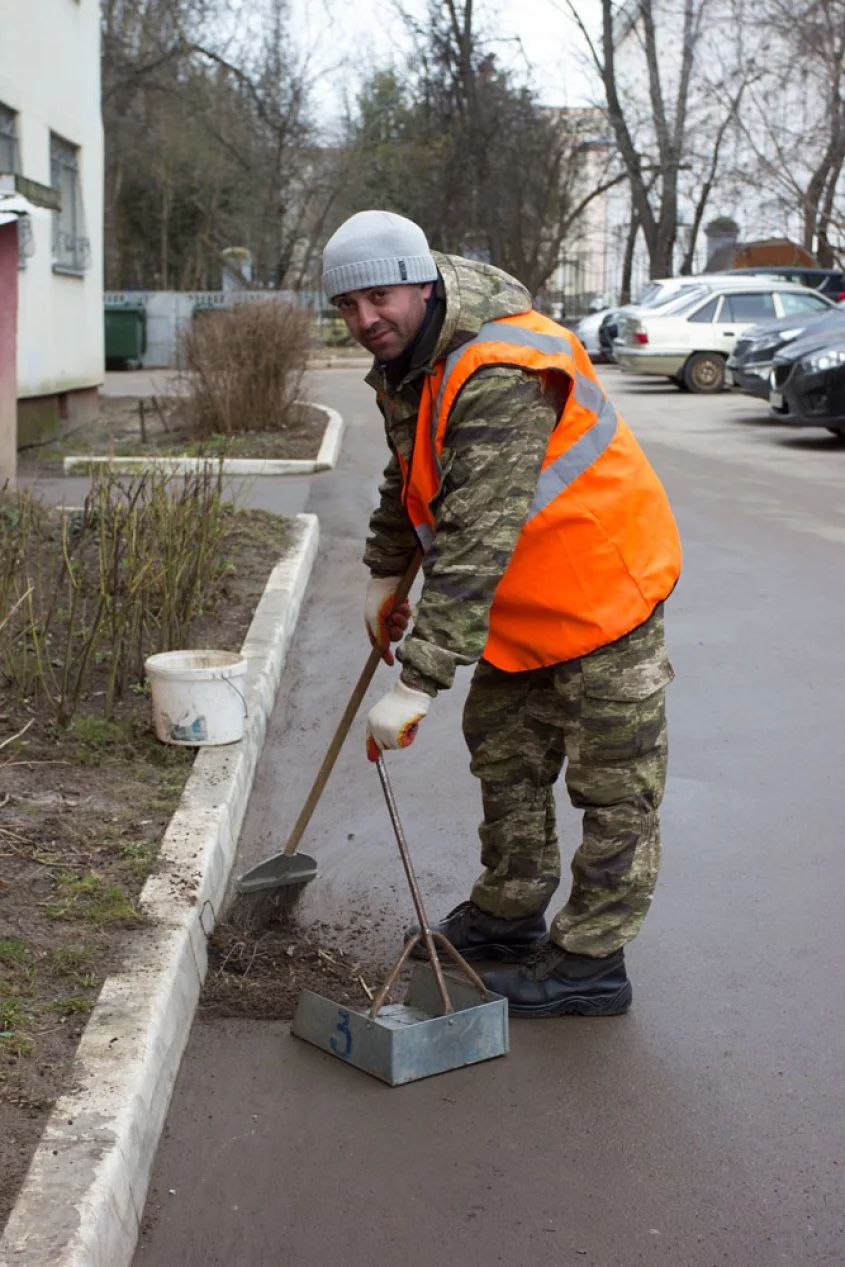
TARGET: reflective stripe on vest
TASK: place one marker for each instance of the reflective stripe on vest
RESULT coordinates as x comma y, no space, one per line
498,332
425,536
575,461
588,394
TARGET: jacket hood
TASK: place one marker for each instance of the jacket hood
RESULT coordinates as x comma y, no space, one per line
475,293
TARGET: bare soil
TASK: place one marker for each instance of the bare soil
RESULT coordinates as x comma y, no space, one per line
160,426
260,975
82,812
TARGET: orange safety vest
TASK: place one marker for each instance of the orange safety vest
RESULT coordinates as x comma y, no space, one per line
600,547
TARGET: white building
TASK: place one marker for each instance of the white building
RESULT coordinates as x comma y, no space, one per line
51,136
583,277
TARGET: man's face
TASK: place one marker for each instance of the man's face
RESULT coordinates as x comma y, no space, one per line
384,319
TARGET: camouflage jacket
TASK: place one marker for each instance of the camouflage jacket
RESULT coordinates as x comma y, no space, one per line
497,436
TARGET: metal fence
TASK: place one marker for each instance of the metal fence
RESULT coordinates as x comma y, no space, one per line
170,311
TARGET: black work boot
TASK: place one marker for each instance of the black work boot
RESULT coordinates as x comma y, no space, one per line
554,982
477,935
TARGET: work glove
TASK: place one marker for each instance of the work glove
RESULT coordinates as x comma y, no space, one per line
386,620
394,720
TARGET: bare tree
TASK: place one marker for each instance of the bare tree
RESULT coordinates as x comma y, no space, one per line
706,162
670,120
628,257
794,127
464,147
211,143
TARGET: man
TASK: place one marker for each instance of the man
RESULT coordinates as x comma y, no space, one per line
549,549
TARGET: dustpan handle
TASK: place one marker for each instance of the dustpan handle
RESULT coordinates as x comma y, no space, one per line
424,934
349,713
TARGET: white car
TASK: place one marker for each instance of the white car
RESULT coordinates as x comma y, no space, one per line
661,292
689,340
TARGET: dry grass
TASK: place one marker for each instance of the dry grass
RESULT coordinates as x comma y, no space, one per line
83,809
246,365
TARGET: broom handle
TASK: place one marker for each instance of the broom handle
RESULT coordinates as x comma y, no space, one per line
343,726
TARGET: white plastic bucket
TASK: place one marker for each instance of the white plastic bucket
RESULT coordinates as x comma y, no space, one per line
198,697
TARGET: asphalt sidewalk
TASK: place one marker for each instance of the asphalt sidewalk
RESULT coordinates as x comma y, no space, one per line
706,1126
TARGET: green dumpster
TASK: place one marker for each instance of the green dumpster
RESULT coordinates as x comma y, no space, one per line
126,335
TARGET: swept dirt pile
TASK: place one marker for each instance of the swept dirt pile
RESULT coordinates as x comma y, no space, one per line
261,975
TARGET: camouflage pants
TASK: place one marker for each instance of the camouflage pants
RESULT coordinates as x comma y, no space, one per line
604,715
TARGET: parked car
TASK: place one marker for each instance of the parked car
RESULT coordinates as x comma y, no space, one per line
659,294
750,363
829,281
689,341
587,331
656,294
608,333
807,382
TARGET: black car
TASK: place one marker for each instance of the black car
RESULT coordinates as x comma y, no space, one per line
807,385
830,281
608,331
749,365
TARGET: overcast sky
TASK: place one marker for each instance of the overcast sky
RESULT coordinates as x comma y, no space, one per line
354,36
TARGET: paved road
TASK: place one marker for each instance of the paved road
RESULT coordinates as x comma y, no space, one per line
705,1128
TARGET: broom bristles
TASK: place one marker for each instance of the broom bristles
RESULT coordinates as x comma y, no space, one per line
251,912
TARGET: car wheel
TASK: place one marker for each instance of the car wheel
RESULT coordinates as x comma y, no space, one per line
705,372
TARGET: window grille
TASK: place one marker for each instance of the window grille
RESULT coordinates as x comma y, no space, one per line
71,247
26,241
9,155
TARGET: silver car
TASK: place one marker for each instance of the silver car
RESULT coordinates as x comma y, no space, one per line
587,331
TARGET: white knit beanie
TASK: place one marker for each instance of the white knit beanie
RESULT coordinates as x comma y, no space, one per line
376,248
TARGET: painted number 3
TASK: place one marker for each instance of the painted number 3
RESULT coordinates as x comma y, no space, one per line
342,1046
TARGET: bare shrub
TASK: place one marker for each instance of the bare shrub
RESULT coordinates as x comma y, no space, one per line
108,584
246,365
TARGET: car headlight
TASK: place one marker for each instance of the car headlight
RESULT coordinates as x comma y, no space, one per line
824,359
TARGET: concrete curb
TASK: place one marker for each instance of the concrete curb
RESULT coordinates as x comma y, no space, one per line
83,1199
330,448
325,460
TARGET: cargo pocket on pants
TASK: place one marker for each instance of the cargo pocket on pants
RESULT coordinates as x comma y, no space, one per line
623,711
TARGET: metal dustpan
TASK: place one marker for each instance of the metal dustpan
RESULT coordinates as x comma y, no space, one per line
445,1022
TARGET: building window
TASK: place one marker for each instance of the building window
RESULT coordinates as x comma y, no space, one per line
9,157
10,165
71,248
26,241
